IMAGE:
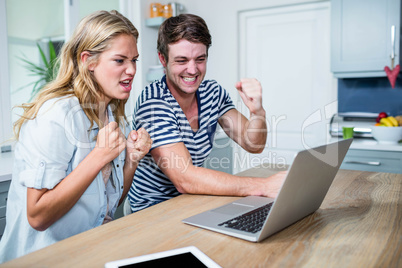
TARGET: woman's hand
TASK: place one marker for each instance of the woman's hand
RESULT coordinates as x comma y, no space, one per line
110,142
138,145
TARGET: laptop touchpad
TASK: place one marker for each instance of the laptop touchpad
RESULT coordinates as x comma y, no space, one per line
232,209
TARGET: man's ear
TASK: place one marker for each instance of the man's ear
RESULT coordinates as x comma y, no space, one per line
84,57
162,59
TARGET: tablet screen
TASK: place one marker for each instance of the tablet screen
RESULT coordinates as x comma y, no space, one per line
181,257
180,260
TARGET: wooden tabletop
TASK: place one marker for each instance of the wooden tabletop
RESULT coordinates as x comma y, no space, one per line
358,225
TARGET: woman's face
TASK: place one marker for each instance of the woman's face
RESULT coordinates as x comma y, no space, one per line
116,68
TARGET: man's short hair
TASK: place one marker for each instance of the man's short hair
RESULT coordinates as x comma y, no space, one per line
184,26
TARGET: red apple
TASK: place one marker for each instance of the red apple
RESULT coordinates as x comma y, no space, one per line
381,115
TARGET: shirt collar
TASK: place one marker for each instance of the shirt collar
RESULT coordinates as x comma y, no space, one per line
111,119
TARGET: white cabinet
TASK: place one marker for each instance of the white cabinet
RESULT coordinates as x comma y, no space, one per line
6,166
4,186
361,37
288,50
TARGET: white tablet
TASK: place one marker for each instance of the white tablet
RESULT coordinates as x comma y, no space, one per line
181,257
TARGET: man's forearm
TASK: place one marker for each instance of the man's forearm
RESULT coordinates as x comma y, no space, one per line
199,180
255,134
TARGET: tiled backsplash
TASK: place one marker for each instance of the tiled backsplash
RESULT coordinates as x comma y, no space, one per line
370,95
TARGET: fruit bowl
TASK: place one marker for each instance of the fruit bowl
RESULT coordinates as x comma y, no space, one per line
387,135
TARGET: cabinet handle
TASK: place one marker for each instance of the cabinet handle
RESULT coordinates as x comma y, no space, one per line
369,163
393,46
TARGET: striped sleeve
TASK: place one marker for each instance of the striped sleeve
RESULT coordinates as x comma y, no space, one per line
225,102
157,117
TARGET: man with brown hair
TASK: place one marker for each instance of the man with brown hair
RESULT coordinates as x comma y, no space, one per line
181,112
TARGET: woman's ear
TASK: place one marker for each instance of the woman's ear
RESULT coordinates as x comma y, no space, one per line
84,57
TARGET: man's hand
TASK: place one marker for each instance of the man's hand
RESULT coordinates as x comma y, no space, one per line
138,145
250,91
274,184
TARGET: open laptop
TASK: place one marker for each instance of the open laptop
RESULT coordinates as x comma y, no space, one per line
306,184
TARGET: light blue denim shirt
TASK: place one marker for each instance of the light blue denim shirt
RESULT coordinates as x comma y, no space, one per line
49,148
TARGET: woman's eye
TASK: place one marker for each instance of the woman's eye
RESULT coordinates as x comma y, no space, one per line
119,61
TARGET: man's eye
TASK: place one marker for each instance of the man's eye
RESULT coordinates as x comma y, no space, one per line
134,60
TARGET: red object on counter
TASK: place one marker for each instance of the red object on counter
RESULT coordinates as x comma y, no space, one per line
392,74
381,115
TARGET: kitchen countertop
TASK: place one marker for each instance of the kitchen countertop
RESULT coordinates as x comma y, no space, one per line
372,144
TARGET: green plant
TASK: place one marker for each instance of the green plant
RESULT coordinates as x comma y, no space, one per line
46,71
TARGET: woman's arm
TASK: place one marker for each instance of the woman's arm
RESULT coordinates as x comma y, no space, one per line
45,207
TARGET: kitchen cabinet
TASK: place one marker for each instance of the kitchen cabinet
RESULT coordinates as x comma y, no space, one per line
364,36
4,186
6,165
373,160
221,156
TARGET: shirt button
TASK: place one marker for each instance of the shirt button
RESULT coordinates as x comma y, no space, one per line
117,165
105,192
122,187
103,215
41,164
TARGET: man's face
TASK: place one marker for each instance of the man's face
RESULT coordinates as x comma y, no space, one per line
186,67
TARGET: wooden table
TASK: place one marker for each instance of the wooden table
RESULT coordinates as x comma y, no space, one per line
358,225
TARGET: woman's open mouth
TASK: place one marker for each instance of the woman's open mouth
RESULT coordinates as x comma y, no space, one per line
126,84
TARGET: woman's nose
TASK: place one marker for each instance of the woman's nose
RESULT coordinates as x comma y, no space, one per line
131,68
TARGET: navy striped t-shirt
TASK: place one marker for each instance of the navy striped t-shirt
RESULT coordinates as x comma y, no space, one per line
159,113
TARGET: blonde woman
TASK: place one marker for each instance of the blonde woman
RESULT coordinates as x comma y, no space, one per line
75,157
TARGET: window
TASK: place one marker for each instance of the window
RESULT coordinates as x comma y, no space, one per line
20,30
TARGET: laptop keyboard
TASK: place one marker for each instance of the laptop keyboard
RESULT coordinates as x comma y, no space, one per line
251,222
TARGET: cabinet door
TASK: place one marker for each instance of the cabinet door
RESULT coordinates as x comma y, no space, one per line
287,50
4,186
361,44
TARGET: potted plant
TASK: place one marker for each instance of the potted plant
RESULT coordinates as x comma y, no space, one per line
46,71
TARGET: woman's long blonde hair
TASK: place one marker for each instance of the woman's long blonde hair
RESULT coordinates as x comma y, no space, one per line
93,34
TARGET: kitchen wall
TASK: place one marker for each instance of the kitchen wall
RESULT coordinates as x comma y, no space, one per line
370,95
222,19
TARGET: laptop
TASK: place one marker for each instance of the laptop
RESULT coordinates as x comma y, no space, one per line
306,184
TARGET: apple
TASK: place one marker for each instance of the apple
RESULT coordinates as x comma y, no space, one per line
381,115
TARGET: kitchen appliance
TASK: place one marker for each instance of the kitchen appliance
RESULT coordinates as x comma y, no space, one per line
360,121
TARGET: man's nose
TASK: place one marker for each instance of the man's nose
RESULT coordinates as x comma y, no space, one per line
192,67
